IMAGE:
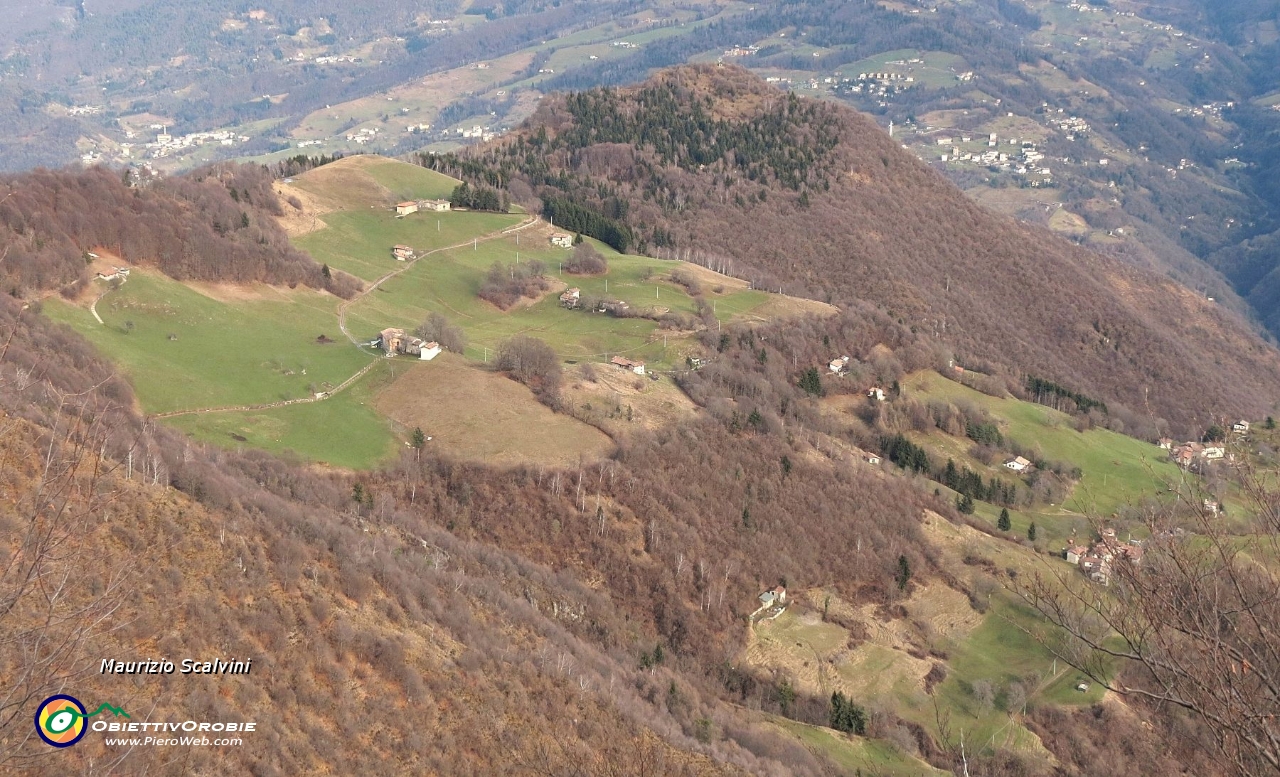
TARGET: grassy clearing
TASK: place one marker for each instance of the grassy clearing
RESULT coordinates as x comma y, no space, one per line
359,242
1116,470
854,754
343,431
257,350
448,283
411,182
475,414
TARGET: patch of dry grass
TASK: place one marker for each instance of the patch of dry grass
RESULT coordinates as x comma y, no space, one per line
475,414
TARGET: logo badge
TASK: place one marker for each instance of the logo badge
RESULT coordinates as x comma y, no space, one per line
60,720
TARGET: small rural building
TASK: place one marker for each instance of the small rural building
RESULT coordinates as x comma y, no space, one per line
1240,427
1213,451
1165,443
391,341
1075,553
570,298
1017,464
1186,453
871,458
405,208
562,240
627,364
439,206
837,365
774,596
402,253
876,393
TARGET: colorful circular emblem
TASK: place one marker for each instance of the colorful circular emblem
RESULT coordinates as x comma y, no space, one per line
60,720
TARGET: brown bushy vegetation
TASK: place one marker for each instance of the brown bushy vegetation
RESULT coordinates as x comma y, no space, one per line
370,623
862,219
214,224
533,363
504,285
524,616
586,260
438,328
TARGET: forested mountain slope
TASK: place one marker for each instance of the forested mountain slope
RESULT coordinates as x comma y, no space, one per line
711,163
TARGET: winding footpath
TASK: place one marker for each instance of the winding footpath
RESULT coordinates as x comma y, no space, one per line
342,324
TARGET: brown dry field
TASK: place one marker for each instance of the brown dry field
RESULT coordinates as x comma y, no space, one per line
603,403
474,414
330,188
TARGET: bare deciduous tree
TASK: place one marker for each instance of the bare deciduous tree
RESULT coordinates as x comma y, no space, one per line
1195,625
60,586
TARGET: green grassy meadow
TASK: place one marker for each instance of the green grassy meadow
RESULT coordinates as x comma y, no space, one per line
411,182
359,241
188,347
448,283
1116,471
250,351
853,753
342,431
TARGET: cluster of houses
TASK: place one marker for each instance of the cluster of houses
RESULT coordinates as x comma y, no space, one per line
413,206
1193,454
394,341
1071,125
165,143
329,59
479,133
628,364
1097,560
120,272
572,299
1196,454
365,135
1022,157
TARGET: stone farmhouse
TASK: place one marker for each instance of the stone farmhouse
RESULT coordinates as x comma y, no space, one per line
394,341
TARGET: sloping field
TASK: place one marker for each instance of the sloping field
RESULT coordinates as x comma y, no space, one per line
342,431
475,414
1117,470
181,349
359,242
856,755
